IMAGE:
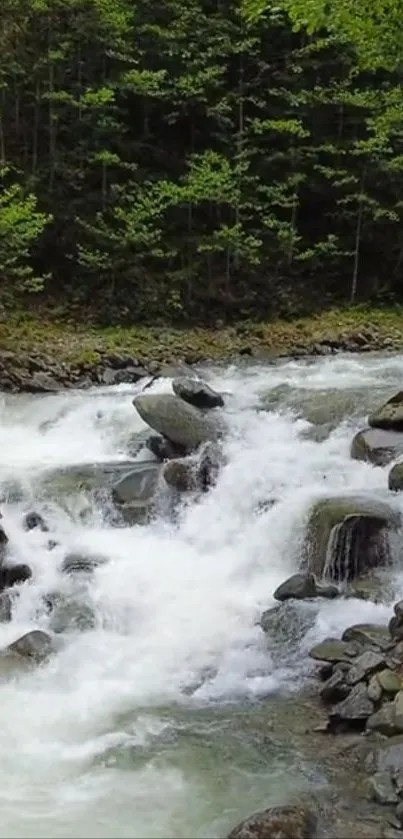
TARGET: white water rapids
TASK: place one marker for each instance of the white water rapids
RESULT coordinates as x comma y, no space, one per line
154,723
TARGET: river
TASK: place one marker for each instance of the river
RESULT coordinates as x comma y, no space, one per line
156,722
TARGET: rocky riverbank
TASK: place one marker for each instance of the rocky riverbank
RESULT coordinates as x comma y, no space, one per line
41,356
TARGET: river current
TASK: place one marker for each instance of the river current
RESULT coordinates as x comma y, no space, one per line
156,722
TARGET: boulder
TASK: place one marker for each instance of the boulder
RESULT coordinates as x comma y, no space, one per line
303,587
34,520
377,446
175,419
181,475
3,542
5,607
71,479
138,485
389,681
288,822
209,465
390,415
380,788
388,755
335,688
385,721
374,689
36,645
14,574
197,393
71,614
369,635
354,710
364,665
332,649
395,478
348,535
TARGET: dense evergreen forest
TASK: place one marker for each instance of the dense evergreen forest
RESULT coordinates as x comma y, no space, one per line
177,161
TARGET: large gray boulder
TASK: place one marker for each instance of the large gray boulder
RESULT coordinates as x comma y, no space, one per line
390,415
348,535
377,446
35,645
288,822
76,478
173,418
197,393
395,478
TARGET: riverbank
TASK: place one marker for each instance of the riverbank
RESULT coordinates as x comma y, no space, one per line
37,354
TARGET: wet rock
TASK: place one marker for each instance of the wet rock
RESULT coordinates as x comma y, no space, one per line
381,789
303,587
288,822
389,719
396,628
332,649
354,710
335,688
399,812
72,614
388,756
3,542
209,465
366,664
395,478
11,576
197,393
72,479
36,645
34,520
5,607
389,681
74,563
390,415
163,449
369,635
175,419
374,689
181,475
377,446
138,485
347,536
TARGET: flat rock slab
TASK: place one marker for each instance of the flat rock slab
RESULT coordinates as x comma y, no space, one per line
332,649
177,420
366,664
368,634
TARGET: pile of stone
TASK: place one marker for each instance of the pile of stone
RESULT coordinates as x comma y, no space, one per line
382,441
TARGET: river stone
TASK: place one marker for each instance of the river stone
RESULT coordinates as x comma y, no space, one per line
368,634
72,615
374,689
396,628
332,649
36,644
197,393
5,607
34,520
180,475
13,575
354,710
389,681
335,688
389,719
390,415
299,586
377,446
395,478
348,535
399,812
389,754
75,478
162,448
380,788
288,822
177,420
138,485
366,664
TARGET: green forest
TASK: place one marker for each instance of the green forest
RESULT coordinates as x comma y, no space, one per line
200,161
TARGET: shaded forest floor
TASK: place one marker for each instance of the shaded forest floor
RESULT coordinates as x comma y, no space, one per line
358,329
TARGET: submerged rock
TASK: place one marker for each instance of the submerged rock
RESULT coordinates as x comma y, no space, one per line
390,415
348,535
175,419
138,487
34,520
14,574
72,614
197,393
162,448
377,446
71,479
5,607
288,822
181,475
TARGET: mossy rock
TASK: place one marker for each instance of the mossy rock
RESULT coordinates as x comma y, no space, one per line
347,536
377,446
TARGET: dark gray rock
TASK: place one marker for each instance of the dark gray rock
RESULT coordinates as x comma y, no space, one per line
335,688
5,607
74,563
354,710
288,822
367,663
13,575
395,478
197,393
163,449
399,812
138,485
390,415
388,755
374,689
181,475
34,520
299,587
175,419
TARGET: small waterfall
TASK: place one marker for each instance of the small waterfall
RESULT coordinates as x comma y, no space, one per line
355,545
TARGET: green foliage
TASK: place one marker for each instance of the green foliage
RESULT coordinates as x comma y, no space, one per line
198,160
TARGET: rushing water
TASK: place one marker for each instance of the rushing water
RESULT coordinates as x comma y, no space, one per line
157,721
